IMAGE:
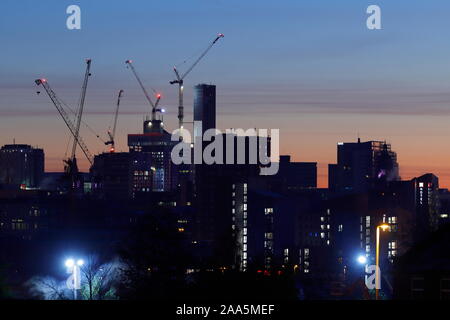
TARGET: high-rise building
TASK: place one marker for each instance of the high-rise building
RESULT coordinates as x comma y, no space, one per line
361,165
151,151
21,165
427,204
204,107
410,208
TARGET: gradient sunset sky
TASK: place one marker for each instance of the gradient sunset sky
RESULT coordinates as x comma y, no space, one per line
308,67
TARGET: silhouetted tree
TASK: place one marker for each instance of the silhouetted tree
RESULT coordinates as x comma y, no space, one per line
155,258
48,288
99,279
98,282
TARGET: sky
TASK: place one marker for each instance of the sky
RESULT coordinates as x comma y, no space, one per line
308,67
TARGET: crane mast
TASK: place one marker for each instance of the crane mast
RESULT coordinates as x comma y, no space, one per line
180,81
113,133
129,64
81,107
72,128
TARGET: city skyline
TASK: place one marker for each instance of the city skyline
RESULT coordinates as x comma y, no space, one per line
331,79
226,157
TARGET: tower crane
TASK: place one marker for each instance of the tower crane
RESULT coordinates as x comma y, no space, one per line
154,106
113,133
59,106
71,162
71,167
180,80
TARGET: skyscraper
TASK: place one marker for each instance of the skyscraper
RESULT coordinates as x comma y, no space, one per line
207,194
204,107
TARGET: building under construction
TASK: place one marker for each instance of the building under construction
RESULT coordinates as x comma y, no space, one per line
152,147
147,167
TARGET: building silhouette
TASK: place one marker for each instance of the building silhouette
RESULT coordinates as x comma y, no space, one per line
21,165
151,157
361,165
204,107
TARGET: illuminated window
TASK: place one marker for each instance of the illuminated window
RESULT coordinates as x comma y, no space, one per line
306,251
392,220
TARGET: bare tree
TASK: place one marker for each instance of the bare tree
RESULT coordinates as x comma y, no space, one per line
99,279
98,282
47,288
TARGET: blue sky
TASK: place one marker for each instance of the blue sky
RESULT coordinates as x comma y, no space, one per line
308,67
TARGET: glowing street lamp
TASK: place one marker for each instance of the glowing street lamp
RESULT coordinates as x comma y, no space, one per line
74,281
383,227
70,263
362,259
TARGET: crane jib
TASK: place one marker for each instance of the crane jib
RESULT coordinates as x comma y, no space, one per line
59,106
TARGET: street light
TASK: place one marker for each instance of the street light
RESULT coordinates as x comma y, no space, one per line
74,281
383,227
362,259
70,263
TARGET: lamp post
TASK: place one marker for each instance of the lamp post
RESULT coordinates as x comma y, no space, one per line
362,259
74,281
383,227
